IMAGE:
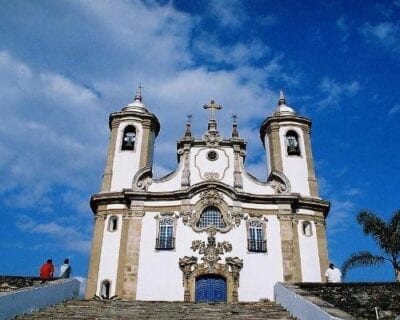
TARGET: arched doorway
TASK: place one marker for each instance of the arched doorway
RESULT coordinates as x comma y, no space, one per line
211,288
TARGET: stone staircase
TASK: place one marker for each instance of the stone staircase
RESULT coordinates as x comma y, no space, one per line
114,309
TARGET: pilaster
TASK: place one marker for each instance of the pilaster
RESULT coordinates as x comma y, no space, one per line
312,180
129,287
95,255
107,176
322,247
290,248
275,147
122,254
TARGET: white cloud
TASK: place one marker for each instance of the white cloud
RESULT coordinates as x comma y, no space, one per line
395,109
343,25
228,15
334,91
66,237
386,34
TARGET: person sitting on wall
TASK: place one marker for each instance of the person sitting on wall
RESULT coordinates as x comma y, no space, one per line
65,269
47,270
333,274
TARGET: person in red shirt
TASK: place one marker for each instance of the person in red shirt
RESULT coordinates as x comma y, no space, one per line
47,270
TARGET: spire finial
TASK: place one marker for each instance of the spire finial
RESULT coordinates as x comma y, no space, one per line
235,132
138,95
282,99
188,131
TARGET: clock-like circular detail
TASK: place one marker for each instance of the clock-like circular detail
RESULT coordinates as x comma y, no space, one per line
212,155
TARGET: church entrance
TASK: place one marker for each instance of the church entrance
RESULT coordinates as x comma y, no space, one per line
211,288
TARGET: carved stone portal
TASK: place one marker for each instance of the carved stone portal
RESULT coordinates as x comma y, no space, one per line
211,255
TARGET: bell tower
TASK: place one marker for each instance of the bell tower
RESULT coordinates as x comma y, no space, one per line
286,138
131,146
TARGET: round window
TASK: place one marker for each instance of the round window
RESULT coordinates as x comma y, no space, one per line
212,155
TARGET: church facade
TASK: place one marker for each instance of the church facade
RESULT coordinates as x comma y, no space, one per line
208,231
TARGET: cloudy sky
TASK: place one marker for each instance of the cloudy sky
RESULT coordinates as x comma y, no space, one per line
65,65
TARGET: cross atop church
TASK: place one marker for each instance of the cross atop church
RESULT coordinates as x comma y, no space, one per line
213,107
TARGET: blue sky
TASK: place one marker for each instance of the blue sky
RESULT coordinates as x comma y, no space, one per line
64,66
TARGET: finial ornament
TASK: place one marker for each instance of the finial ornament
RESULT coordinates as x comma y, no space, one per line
282,99
138,95
189,117
213,107
235,132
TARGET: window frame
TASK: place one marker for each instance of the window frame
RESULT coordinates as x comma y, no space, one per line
222,222
307,224
166,243
110,224
256,240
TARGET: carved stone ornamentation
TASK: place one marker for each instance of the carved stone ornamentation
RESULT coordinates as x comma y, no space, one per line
212,138
211,197
143,179
211,176
211,252
279,182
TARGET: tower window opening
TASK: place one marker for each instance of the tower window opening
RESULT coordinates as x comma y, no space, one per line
292,143
129,138
113,224
211,216
307,228
105,289
256,241
165,240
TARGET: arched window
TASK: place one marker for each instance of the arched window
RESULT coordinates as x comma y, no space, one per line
113,224
256,241
129,138
292,143
165,239
105,289
307,228
211,216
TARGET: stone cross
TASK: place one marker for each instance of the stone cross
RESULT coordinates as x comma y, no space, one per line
213,107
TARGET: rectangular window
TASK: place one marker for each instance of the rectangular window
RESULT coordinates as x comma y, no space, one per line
165,240
256,241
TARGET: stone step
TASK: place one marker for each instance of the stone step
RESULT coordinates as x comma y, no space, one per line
154,310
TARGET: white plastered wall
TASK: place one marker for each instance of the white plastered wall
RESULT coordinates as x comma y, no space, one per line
109,256
126,163
159,276
200,165
295,167
310,268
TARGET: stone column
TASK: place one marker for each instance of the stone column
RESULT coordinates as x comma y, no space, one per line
129,287
94,263
146,152
107,176
122,253
312,180
275,152
322,247
290,249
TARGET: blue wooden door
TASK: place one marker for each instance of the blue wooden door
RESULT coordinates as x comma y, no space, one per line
211,288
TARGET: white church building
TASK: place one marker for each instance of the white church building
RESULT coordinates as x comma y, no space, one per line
208,231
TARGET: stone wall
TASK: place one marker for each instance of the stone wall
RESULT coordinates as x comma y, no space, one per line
359,299
10,283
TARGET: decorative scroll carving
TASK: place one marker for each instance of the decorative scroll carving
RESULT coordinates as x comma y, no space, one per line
185,181
212,138
211,175
211,255
279,182
143,178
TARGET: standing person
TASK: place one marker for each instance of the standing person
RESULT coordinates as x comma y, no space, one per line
65,269
333,274
47,270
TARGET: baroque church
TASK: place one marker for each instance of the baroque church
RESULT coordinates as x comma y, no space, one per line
208,231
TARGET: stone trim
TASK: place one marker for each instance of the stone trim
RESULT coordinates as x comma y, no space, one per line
94,263
290,248
146,150
275,152
131,266
322,247
107,176
122,254
312,180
